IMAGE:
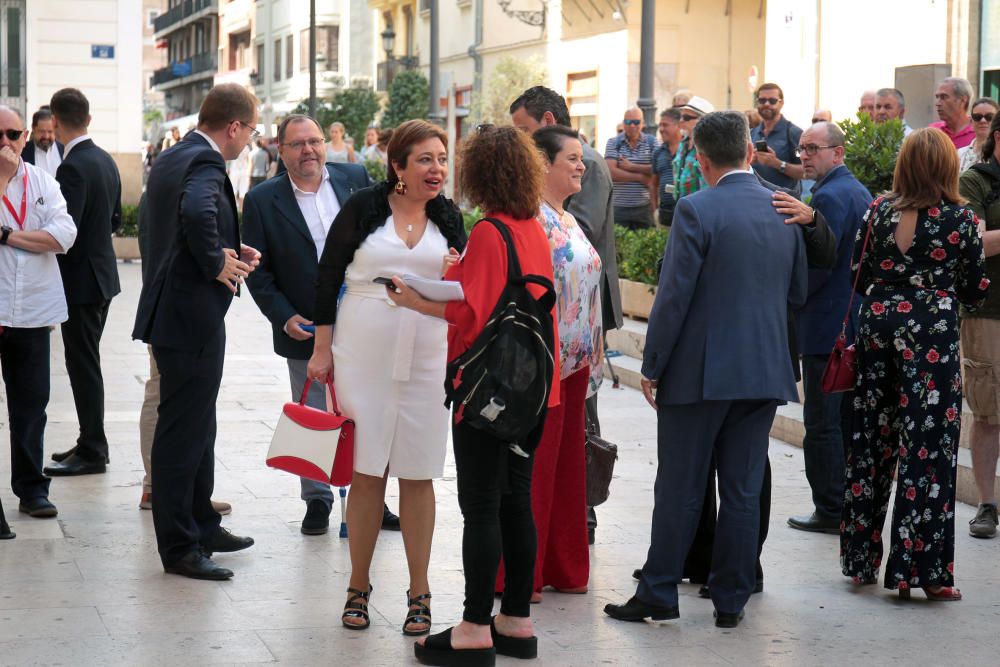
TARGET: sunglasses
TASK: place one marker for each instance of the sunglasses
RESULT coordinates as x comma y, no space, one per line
773,101
978,117
685,116
12,135
635,123
484,127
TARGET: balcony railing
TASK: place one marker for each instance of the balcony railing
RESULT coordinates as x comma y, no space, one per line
388,70
181,11
206,62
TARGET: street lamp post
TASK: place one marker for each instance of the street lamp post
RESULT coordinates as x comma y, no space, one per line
435,65
646,101
389,46
312,58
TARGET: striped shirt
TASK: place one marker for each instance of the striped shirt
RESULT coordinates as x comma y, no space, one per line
663,166
631,193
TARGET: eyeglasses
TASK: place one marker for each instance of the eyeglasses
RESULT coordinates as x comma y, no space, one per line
298,145
12,135
254,134
811,149
685,116
773,101
978,117
634,123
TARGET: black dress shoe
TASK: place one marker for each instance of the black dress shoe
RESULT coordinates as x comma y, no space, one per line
74,465
62,456
724,620
39,508
814,523
197,565
389,520
637,574
637,610
706,592
224,542
317,518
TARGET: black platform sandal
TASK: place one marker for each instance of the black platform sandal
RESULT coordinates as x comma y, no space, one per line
420,615
525,648
357,607
437,651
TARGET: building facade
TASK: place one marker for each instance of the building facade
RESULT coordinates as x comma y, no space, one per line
236,37
190,29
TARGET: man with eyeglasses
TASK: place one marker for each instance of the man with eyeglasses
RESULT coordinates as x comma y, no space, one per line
630,160
687,172
889,105
196,266
951,100
775,139
842,200
287,218
35,228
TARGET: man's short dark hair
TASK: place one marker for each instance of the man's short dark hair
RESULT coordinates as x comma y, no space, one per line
71,108
673,113
539,99
296,118
43,114
225,103
769,86
722,137
895,92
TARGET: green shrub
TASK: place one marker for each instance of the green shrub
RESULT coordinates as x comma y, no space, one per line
640,252
376,169
130,221
408,98
354,107
471,217
870,150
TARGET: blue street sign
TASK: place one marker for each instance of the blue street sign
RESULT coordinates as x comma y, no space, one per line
106,51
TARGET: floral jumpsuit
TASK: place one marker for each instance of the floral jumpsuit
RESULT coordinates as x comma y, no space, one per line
908,396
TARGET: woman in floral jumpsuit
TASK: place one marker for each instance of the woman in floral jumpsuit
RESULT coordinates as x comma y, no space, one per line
924,258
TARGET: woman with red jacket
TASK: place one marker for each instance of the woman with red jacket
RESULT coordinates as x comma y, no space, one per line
502,172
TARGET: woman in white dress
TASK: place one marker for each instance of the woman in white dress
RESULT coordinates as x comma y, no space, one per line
388,363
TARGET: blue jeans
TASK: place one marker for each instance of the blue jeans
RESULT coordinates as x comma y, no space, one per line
311,490
823,445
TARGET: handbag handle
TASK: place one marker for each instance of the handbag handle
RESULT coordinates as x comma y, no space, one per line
333,393
857,276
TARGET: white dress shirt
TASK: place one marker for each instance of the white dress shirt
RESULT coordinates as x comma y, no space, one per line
31,288
211,142
318,208
69,146
48,160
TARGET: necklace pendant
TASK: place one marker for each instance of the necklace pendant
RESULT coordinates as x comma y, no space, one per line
409,228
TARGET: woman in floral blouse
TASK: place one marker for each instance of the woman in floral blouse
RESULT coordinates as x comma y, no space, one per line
924,258
558,484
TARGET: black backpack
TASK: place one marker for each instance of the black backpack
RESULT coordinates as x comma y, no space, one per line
500,385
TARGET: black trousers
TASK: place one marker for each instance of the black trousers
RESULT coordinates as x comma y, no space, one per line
494,493
82,339
24,359
183,457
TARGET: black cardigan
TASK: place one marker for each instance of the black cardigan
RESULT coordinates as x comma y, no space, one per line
362,214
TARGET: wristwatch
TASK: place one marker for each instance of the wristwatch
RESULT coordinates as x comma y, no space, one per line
781,167
6,233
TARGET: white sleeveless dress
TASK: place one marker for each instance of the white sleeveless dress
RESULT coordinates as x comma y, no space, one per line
389,362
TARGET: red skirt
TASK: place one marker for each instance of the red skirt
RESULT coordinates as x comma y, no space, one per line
559,492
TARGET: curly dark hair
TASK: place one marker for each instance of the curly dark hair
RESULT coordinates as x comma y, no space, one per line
502,171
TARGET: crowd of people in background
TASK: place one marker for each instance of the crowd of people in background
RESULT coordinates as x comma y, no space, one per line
768,226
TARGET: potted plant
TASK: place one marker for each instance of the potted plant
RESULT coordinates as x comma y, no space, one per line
126,239
639,255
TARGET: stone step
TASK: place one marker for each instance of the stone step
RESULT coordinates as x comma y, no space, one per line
788,424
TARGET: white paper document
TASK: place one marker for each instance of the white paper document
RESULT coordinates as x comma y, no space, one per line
435,290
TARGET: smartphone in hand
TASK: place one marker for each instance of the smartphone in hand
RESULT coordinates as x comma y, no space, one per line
387,282
760,146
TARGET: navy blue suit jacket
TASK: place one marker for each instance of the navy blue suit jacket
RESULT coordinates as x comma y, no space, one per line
719,325
842,200
284,284
191,214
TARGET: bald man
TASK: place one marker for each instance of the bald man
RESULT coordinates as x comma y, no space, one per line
630,158
822,116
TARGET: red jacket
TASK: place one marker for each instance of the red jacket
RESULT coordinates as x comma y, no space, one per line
482,270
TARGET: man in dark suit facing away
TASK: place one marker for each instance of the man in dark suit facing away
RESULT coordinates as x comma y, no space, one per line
287,218
196,265
717,357
91,185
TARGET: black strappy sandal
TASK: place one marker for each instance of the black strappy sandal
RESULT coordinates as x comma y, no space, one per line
357,607
422,614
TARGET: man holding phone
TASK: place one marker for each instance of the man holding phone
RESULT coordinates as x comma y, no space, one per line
775,141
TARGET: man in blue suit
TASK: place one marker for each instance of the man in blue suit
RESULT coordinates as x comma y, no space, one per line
842,200
287,218
717,357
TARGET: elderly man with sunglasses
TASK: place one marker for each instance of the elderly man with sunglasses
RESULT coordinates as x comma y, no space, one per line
779,164
630,158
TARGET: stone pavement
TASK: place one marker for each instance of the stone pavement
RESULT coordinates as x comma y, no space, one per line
87,588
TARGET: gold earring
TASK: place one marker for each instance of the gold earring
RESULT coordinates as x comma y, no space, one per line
400,187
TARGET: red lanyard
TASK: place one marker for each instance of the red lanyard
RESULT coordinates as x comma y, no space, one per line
19,219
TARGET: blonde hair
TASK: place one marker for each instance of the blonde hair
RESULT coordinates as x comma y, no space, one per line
926,171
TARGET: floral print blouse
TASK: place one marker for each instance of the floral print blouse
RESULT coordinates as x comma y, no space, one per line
687,171
577,270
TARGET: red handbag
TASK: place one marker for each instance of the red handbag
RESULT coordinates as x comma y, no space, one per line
315,444
842,366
